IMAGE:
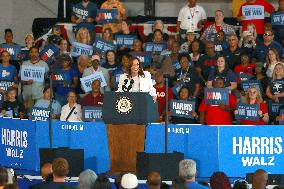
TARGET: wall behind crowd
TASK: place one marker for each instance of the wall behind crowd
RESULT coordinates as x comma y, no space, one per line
19,14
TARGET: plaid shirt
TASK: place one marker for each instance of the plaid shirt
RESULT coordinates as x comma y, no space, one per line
212,30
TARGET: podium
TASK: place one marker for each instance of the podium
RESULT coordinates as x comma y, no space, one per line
126,115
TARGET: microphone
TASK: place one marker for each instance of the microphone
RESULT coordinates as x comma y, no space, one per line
125,88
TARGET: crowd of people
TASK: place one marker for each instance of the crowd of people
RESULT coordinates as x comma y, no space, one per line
201,55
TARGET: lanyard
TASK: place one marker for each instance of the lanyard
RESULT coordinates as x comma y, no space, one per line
192,12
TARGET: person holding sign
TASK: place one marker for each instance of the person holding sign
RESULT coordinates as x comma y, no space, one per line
83,36
136,80
8,72
71,111
95,98
253,96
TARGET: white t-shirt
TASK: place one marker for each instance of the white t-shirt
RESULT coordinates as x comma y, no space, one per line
189,17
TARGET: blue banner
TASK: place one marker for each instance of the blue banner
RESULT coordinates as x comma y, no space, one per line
249,83
145,58
247,112
181,108
155,48
125,40
39,114
92,113
107,16
102,46
277,19
49,53
13,49
80,48
216,96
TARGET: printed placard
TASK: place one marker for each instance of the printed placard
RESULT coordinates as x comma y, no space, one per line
107,16
102,46
274,108
145,58
252,12
49,53
245,76
86,82
34,73
4,85
247,112
92,113
154,48
249,83
216,96
13,49
277,19
125,40
80,48
39,114
181,108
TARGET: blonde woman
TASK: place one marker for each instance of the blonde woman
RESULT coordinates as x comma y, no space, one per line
272,58
83,36
248,37
253,96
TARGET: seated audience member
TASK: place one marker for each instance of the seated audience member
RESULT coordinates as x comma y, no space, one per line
8,72
137,46
217,114
179,183
102,182
82,64
222,70
12,107
83,36
60,169
211,32
245,67
189,38
129,181
220,42
232,53
95,98
44,102
184,95
114,75
248,38
259,179
195,51
240,184
259,74
71,111
154,180
111,61
278,28
87,179
63,47
219,180
272,58
108,35
45,172
158,24
253,96
3,177
187,170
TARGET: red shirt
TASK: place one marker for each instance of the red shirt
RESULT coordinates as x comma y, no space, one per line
161,98
243,69
259,23
263,108
89,100
214,115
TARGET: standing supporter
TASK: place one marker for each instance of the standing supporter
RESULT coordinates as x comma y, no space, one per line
114,4
161,94
219,180
96,68
272,58
191,16
87,179
190,36
82,64
259,179
83,36
220,42
253,96
71,111
95,97
223,71
211,32
8,72
29,42
158,24
258,22
188,171
233,52
248,38
154,180
12,107
33,90
217,114
111,61
262,48
277,27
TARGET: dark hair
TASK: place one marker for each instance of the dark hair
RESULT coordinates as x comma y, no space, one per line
3,176
34,47
11,89
164,186
8,30
184,54
46,88
195,41
102,182
5,51
219,180
226,69
157,30
128,22
204,183
60,167
140,72
184,87
11,186
240,184
179,183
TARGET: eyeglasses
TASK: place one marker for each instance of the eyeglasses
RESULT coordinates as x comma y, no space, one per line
267,34
253,92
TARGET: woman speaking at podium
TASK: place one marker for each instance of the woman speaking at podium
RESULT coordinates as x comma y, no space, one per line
136,80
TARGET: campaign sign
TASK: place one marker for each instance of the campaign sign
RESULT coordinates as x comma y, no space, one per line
277,19
245,76
80,48
49,53
216,96
34,73
86,82
253,12
155,48
125,40
281,120
249,83
176,65
4,85
145,58
13,49
247,112
273,108
107,16
101,45
92,113
181,108
39,114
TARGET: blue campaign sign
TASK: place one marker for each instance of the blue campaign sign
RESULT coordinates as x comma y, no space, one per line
125,40
49,53
92,113
39,114
154,48
13,49
181,108
274,108
80,48
248,148
249,83
4,85
216,96
247,112
277,19
107,16
145,58
18,146
176,65
102,46
245,77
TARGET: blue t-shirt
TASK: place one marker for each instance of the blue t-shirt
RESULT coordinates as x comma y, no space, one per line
195,185
7,73
67,77
229,76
